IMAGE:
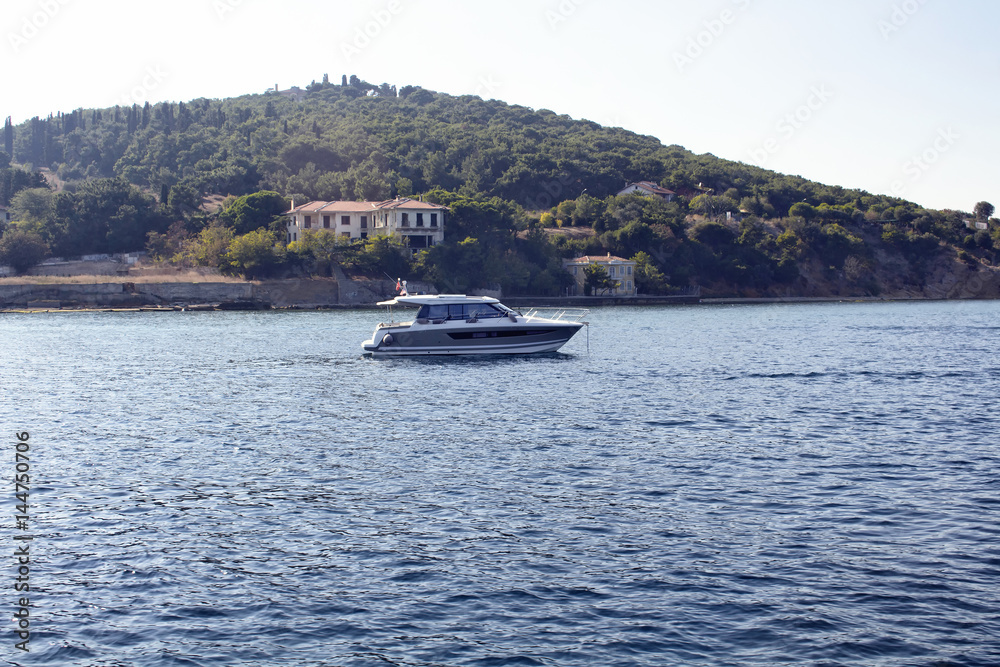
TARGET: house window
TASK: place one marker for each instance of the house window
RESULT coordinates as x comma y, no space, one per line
345,219
364,222
326,222
628,285
611,270
309,222
364,235
406,220
628,270
293,237
420,219
434,219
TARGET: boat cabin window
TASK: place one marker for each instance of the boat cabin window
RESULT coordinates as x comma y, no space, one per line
459,311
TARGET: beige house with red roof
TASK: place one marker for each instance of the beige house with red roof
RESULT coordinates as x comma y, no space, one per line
621,270
422,224
648,188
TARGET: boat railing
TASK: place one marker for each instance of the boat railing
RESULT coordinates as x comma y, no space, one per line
391,324
557,313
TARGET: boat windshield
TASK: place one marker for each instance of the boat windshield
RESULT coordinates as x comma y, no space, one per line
460,311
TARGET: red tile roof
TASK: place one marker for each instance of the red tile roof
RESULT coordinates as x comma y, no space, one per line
590,259
364,206
405,202
651,188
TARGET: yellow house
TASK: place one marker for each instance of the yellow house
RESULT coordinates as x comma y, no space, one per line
620,270
422,224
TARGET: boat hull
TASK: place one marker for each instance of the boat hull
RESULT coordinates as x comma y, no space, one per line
407,341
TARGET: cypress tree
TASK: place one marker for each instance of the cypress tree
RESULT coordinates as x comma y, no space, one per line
36,151
8,138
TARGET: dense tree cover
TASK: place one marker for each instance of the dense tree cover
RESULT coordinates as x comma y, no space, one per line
254,211
13,180
511,176
104,215
365,141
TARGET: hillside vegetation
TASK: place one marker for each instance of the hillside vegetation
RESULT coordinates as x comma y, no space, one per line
136,177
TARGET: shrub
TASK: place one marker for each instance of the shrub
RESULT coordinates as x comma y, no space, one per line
255,255
22,250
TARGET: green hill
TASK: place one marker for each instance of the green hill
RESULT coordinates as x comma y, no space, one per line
734,227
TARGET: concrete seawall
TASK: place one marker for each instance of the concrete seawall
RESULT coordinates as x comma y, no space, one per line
123,295
295,293
347,293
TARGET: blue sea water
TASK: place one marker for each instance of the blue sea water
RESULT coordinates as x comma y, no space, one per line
704,485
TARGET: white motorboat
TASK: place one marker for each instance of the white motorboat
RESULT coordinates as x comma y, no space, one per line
459,324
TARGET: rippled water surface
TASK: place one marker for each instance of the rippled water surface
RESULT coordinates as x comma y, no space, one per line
725,485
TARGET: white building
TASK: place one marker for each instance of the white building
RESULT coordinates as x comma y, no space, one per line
648,188
294,93
422,224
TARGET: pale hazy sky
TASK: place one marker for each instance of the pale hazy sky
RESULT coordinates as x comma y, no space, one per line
892,96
